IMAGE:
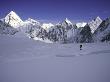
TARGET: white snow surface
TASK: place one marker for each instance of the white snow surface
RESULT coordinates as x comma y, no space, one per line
25,60
13,19
81,24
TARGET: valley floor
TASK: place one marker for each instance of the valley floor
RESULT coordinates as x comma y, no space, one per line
26,60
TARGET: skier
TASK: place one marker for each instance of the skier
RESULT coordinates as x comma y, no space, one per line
80,46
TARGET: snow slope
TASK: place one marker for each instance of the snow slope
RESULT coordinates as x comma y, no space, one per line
25,60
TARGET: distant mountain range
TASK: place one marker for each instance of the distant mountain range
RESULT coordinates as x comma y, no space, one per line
97,30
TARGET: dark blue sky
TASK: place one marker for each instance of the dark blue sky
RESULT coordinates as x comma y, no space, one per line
54,10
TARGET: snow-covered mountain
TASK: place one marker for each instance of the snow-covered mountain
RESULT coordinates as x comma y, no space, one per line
64,32
67,24
94,24
13,19
103,32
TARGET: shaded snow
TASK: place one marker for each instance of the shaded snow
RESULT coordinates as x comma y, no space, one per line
25,60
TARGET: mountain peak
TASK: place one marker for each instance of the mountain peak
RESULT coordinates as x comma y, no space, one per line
68,21
12,12
94,24
98,18
13,19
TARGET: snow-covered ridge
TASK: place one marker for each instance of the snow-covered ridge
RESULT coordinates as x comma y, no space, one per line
32,21
65,31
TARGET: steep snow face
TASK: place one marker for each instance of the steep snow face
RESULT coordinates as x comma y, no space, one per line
13,20
94,24
47,26
81,24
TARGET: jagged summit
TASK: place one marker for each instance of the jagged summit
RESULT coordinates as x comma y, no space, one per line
13,19
98,18
67,21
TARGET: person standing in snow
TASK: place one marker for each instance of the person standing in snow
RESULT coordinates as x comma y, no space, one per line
80,46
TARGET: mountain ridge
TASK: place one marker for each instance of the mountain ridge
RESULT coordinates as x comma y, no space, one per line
63,32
